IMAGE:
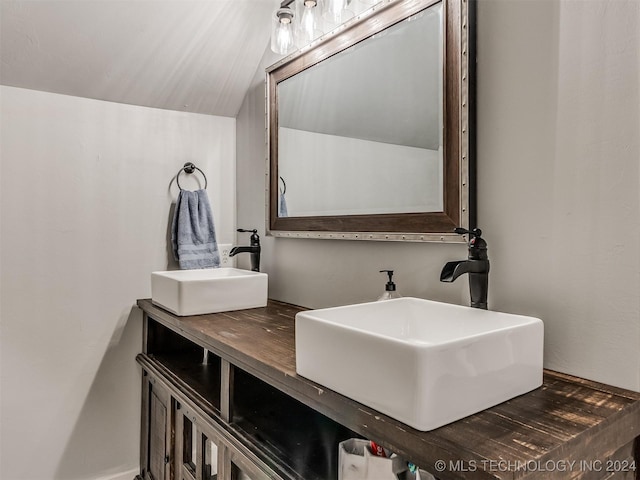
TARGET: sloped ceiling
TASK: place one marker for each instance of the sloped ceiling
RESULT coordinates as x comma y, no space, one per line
189,55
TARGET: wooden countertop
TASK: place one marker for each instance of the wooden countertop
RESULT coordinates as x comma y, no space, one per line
532,436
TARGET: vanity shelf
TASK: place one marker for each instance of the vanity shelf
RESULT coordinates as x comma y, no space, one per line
187,361
299,434
282,425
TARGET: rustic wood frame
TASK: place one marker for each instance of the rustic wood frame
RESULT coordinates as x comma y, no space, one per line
459,116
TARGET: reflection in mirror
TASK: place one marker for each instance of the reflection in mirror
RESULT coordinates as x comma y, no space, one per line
361,132
371,129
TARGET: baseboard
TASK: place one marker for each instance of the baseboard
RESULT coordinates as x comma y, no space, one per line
128,475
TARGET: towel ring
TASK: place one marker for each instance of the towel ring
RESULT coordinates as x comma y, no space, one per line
284,190
189,168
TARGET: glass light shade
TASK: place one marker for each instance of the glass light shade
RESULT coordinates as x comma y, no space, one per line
308,27
337,11
282,31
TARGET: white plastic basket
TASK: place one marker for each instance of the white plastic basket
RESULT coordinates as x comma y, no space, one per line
356,462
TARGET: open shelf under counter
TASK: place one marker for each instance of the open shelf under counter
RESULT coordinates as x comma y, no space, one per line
568,419
304,438
187,362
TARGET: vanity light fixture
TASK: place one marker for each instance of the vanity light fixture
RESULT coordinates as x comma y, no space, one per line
337,11
298,22
282,34
307,30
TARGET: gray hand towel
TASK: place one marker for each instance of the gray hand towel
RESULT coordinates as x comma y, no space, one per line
282,208
193,235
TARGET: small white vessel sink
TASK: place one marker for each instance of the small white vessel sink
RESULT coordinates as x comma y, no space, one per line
421,362
209,290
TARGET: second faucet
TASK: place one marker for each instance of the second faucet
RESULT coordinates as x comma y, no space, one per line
253,249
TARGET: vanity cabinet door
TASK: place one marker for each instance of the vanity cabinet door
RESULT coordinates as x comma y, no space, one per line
198,455
157,431
202,454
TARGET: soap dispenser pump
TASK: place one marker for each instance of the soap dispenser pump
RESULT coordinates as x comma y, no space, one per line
390,288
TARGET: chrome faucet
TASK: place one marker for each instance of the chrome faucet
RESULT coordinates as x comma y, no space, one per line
253,249
477,266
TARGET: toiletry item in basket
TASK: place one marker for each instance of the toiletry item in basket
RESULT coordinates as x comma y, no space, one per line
390,288
377,450
357,460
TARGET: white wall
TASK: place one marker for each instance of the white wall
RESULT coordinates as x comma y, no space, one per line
558,182
86,196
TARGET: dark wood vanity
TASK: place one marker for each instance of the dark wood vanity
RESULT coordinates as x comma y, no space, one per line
221,400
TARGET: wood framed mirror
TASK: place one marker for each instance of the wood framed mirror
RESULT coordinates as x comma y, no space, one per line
371,128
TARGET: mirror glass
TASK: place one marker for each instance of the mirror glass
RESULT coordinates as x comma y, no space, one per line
371,128
361,132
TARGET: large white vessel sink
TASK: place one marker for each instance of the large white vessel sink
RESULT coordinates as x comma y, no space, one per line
209,290
421,362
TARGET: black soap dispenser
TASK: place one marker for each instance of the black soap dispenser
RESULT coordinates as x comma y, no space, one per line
390,288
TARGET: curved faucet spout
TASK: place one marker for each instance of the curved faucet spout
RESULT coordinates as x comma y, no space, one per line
236,250
453,270
254,250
